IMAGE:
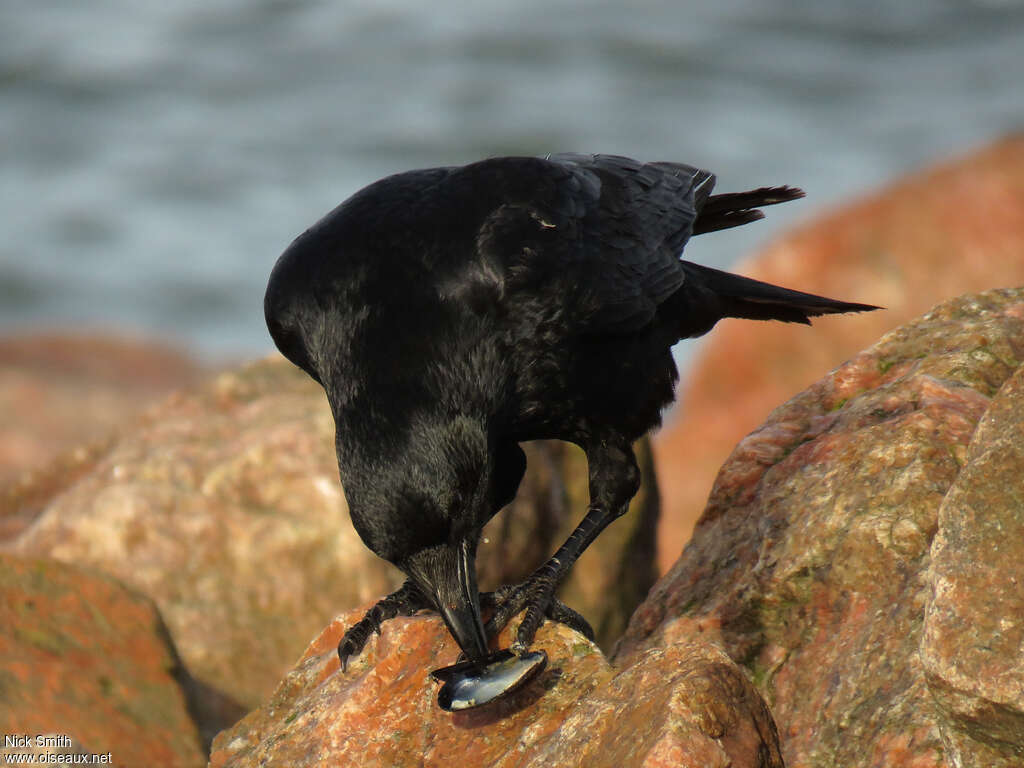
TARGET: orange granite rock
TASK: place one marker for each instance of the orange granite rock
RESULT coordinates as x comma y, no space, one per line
383,710
685,705
954,229
89,662
224,507
814,565
974,621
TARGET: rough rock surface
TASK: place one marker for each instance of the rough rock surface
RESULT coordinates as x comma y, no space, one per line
811,563
973,646
685,705
62,390
951,230
223,505
84,658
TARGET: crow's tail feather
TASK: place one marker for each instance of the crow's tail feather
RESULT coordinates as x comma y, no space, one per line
708,295
736,208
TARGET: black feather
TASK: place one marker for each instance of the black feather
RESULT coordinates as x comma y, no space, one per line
736,208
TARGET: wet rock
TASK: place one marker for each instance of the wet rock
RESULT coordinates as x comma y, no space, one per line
810,565
974,621
686,705
90,663
941,233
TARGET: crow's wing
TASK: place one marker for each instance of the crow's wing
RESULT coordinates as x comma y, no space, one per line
607,229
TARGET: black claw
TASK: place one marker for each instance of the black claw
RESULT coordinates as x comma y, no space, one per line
536,596
352,643
346,648
510,601
563,614
403,602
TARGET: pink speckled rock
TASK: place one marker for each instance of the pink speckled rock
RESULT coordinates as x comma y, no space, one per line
810,565
222,504
686,705
952,229
973,645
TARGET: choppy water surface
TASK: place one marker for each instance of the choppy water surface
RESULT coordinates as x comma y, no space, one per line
157,157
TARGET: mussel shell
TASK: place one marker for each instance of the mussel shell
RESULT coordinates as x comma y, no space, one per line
472,684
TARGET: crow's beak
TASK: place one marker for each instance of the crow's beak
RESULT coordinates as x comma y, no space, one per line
447,575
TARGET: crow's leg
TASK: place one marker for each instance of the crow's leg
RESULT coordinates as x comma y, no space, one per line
614,480
404,601
511,598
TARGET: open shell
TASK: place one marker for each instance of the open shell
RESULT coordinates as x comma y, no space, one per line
472,684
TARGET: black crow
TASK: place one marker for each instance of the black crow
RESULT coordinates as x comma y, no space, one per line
452,313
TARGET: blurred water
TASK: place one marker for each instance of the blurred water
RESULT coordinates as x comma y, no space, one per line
157,157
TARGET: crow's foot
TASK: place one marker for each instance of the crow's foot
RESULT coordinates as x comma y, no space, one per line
536,595
405,601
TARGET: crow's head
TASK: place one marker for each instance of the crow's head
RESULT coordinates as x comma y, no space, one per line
423,509
446,574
